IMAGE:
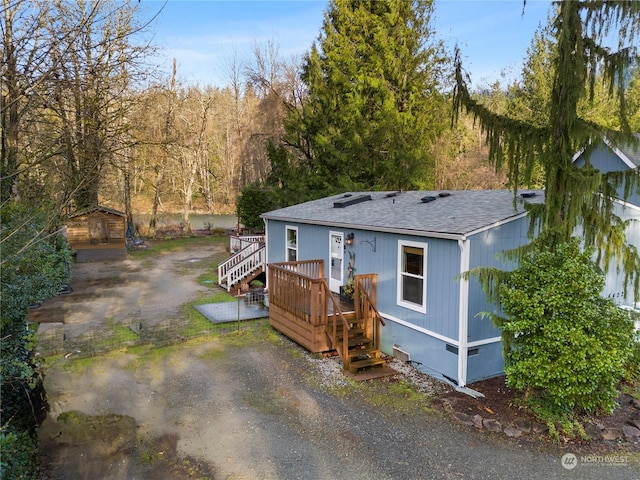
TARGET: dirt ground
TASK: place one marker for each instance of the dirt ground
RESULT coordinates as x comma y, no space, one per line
248,404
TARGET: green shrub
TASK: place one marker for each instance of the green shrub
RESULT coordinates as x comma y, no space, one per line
19,451
562,340
35,266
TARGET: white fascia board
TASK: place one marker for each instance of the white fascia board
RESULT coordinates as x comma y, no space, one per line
626,204
486,341
576,155
496,224
627,161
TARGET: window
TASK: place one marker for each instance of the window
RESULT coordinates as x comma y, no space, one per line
292,244
412,281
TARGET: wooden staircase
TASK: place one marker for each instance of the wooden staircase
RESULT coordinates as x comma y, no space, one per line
361,349
246,263
355,335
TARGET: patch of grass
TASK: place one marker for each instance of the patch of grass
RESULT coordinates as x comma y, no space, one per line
252,331
117,335
78,364
147,452
399,396
159,247
213,354
209,278
150,354
198,324
217,297
71,417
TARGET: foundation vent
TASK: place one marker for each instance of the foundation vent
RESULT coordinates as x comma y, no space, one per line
401,354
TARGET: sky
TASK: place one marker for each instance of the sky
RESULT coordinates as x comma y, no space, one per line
205,35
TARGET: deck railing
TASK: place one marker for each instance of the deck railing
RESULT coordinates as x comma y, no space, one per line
244,262
365,305
295,287
301,290
237,243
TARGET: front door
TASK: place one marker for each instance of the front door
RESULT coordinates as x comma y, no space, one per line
336,257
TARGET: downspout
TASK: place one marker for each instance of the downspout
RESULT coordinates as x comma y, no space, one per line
463,311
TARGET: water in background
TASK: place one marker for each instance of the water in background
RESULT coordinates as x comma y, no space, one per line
198,221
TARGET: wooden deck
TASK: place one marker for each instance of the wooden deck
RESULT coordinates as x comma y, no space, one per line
302,307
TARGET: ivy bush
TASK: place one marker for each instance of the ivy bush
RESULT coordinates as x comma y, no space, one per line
563,342
35,265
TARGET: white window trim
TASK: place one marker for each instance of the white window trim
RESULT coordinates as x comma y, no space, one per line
401,302
287,248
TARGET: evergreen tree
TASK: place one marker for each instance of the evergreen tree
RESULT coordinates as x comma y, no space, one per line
574,196
373,106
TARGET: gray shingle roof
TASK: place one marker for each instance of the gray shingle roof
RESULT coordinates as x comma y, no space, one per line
460,213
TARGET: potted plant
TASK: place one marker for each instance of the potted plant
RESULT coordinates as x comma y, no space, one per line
347,291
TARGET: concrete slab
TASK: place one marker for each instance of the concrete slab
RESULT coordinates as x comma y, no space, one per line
224,312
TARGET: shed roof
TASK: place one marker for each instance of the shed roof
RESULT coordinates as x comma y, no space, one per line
97,208
455,215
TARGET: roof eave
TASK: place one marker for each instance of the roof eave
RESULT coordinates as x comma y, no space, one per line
400,231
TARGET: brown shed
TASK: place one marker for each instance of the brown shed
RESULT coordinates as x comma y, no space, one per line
98,233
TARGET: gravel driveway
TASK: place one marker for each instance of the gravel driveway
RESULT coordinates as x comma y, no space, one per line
252,405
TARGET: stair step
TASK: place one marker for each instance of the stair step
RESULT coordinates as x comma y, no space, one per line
356,366
356,330
359,340
361,353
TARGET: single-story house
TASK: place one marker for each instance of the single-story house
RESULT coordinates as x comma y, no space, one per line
97,233
418,244
608,158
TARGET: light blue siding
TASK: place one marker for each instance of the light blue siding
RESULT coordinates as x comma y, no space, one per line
430,354
443,267
605,160
485,252
487,362
614,281
313,242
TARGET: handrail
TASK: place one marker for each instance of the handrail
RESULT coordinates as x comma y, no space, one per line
365,302
237,257
364,295
240,264
238,242
312,269
337,312
246,267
